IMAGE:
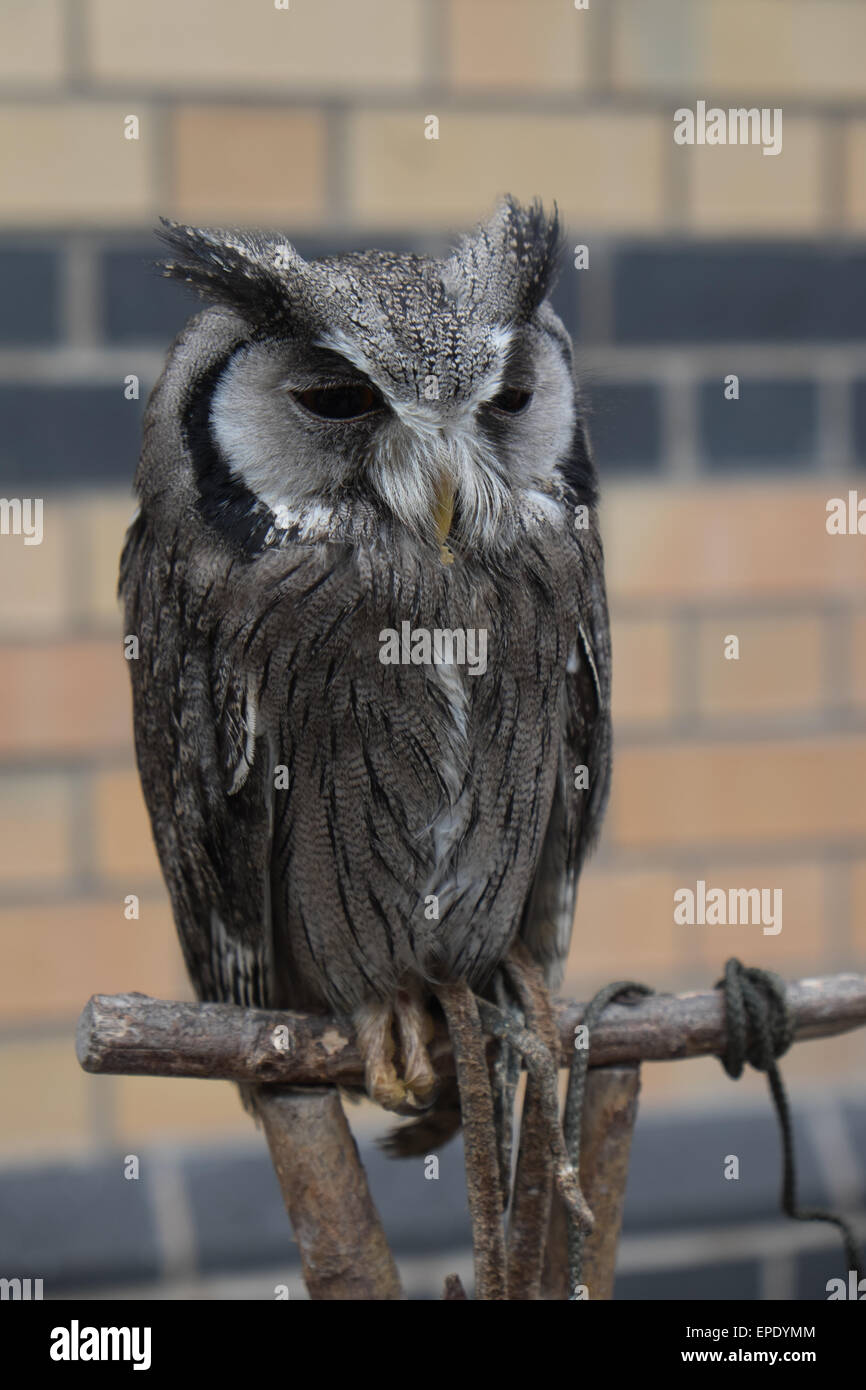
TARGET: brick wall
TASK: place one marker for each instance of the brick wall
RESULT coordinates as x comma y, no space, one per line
703,261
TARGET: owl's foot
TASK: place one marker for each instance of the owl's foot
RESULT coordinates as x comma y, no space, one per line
416,1031
412,1087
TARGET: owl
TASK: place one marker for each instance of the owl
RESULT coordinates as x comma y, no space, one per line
371,701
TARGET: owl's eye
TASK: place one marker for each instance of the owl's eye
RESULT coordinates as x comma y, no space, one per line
340,402
512,400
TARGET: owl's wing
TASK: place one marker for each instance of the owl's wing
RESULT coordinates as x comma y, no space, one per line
583,771
209,798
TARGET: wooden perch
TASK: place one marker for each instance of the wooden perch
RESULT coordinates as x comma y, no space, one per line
292,1057
344,1253
133,1035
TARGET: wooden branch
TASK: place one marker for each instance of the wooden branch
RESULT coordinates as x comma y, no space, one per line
344,1253
133,1035
609,1114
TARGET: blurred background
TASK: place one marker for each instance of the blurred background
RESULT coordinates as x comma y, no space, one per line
702,262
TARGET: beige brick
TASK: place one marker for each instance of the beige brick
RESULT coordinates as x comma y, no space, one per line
767,48
45,1099
720,794
330,45
780,666
653,48
857,649
154,1108
255,165
99,521
57,955
643,666
801,947
33,579
831,1062
739,188
502,44
604,170
752,540
628,916
700,1082
31,42
854,215
124,844
793,48
35,811
66,697
622,917
858,911
70,163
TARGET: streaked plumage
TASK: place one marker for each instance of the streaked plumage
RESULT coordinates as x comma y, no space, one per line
273,547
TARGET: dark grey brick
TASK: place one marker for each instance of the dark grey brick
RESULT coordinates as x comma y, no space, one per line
77,1227
421,1214
773,424
29,285
711,292
859,420
563,297
625,427
816,1268
738,1281
68,436
676,1174
855,1117
139,304
240,1220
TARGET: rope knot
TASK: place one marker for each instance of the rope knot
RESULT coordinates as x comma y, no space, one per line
758,1020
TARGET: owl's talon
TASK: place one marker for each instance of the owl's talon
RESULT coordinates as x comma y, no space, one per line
416,1031
376,1042
413,1088
385,1088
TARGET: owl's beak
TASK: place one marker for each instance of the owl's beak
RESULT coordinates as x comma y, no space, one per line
443,515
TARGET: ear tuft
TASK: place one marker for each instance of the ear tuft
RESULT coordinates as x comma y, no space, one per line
249,273
508,263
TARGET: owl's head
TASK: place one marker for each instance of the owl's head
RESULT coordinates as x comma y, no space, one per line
337,397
